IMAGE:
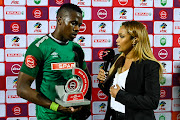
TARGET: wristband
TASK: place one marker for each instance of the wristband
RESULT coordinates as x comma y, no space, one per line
54,106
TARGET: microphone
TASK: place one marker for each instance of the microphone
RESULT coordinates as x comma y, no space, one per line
108,55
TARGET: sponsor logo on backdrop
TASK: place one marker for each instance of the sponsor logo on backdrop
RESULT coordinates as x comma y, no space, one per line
163,53
143,14
101,95
15,2
163,27
102,0
82,27
15,83
37,1
81,40
15,55
123,2
102,27
143,3
100,54
162,117
162,105
15,27
102,13
14,12
102,107
164,64
122,14
163,80
163,2
163,40
17,110
15,41
37,27
81,2
101,66
37,13
102,40
59,2
15,68
179,40
163,14
163,93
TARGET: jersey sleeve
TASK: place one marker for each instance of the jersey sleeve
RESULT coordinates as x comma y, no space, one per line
33,60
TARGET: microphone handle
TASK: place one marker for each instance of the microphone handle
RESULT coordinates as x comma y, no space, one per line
105,66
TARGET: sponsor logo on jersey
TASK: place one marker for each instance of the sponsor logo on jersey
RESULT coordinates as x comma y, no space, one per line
15,27
81,2
123,2
163,53
163,2
15,68
162,93
62,66
17,110
101,95
163,14
37,27
143,3
37,1
37,13
162,105
102,107
30,61
102,27
81,40
163,27
122,14
102,13
59,2
15,2
15,41
82,27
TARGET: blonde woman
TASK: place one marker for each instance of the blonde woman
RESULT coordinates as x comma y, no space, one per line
132,83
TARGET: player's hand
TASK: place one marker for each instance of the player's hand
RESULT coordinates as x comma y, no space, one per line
101,76
65,109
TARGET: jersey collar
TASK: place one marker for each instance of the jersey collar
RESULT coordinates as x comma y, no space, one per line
58,41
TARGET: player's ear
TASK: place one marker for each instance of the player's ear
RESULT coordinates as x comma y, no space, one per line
59,20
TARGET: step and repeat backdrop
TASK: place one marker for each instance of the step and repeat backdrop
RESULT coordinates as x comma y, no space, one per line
22,21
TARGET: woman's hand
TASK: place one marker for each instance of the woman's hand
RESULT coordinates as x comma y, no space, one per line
101,76
113,91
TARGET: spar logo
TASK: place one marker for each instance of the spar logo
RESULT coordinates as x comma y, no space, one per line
63,66
163,93
143,3
15,27
102,53
37,1
162,105
101,95
102,107
163,2
37,27
102,40
82,27
163,54
163,14
122,14
81,2
14,12
15,2
15,68
15,41
59,2
81,41
123,2
163,27
162,117
102,13
102,27
15,83
37,13
17,110
143,14
163,41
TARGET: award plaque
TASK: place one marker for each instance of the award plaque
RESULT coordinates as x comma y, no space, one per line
72,94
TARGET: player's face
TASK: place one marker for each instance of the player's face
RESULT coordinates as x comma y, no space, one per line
71,24
124,41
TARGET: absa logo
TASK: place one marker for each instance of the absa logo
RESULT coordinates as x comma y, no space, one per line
162,93
163,54
16,110
15,27
15,68
37,13
102,13
163,14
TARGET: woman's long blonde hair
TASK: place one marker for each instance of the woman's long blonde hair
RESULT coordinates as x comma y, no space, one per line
142,49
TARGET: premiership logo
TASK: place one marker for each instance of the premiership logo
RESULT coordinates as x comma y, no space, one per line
163,54
37,13
15,41
162,105
102,13
102,27
163,27
143,3
15,2
37,27
163,14
15,83
15,27
81,40
80,2
123,2
122,14
102,107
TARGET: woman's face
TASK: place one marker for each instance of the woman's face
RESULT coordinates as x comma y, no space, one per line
124,41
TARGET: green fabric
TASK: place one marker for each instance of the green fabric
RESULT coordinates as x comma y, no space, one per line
47,51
